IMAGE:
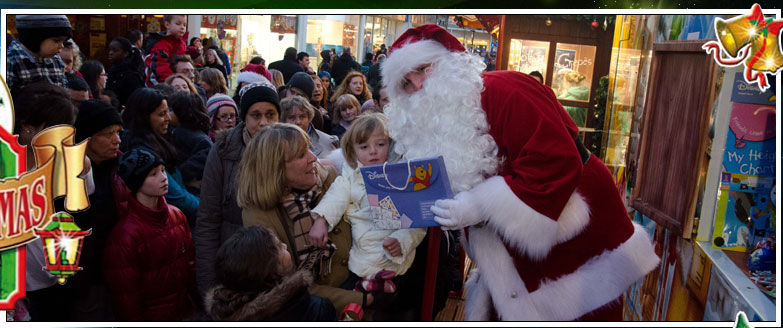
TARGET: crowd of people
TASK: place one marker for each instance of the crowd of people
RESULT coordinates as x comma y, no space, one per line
177,201
208,206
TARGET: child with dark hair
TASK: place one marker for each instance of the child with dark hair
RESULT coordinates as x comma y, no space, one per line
124,75
34,57
172,43
257,282
149,262
190,136
147,117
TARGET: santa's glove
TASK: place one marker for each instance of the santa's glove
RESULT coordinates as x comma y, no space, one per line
462,211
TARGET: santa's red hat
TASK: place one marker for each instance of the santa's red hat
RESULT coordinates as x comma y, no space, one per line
428,32
254,73
417,46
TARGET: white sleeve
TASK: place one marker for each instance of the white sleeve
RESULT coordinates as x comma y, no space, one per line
335,203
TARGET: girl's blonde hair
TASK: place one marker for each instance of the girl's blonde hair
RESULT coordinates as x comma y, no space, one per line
191,87
288,104
344,87
361,129
216,81
277,78
344,101
262,179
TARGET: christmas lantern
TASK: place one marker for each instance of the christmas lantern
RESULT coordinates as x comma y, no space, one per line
62,242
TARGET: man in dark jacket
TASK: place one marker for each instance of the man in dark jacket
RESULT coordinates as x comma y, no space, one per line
102,124
343,65
288,65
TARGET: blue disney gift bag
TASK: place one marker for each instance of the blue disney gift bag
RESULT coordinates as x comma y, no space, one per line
401,194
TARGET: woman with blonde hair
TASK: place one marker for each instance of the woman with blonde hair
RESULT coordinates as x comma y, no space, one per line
280,180
298,111
277,78
356,84
346,108
181,83
212,81
211,59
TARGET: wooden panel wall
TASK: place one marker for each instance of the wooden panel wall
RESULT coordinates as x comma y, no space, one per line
674,133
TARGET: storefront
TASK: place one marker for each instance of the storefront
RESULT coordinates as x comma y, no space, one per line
327,32
379,30
569,52
699,173
243,37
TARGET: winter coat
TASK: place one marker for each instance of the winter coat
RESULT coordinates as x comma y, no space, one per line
157,61
374,76
276,220
326,57
288,301
348,196
192,148
288,66
338,130
149,264
342,66
221,68
321,144
219,216
124,78
178,194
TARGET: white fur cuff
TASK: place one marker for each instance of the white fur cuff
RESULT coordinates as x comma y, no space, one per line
529,231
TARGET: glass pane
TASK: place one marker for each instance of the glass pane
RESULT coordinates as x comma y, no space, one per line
527,56
327,32
573,71
368,34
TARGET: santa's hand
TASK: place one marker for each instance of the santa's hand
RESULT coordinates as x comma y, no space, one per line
457,213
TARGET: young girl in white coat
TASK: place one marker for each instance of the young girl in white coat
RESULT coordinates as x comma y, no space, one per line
378,258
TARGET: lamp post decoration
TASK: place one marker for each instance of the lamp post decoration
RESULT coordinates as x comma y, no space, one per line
62,241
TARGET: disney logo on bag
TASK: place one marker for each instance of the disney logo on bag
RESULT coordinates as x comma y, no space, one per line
373,175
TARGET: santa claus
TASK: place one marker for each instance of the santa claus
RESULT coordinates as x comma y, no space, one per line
543,219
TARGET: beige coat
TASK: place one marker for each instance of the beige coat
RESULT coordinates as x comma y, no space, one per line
273,219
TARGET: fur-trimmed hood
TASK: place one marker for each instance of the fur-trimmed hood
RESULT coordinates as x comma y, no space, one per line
229,305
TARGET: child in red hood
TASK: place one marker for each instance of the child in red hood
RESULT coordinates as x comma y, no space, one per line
173,43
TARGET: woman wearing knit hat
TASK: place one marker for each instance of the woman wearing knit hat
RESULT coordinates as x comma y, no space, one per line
34,57
219,215
222,113
149,256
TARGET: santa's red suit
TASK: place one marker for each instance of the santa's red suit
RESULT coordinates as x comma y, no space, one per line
551,239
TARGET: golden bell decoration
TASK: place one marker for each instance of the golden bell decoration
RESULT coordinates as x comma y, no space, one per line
752,39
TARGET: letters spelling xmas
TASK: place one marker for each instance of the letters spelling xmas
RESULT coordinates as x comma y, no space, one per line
23,208
26,202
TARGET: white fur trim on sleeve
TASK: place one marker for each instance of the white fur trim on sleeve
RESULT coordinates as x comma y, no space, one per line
529,231
596,283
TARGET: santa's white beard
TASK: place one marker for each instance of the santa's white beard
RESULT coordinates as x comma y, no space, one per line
445,118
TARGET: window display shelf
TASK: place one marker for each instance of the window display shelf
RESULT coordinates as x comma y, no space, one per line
744,288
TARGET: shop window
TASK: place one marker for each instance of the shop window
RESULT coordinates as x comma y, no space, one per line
326,32
573,71
527,56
